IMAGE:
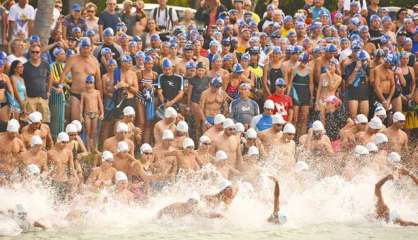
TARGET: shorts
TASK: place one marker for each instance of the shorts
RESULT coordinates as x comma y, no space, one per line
360,93
210,120
41,105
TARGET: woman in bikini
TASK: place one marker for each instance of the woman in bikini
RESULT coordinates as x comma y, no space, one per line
232,84
329,82
5,88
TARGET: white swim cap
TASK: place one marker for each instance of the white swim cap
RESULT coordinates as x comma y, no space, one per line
376,123
182,127
219,118
221,156
372,147
282,217
380,138
228,123
393,216
239,127
122,127
35,117
204,139
71,128
361,150
278,119
146,148
107,156
78,125
195,196
269,104
318,126
394,157
289,128
20,209
63,137
120,176
13,126
398,116
128,111
251,134
188,142
380,111
123,146
36,140
224,184
253,151
33,169
168,135
170,112
361,118
301,166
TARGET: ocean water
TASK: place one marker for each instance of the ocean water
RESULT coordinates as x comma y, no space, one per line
317,208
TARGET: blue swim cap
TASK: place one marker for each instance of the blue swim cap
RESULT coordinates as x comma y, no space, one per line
34,38
140,54
106,50
190,65
57,51
362,55
112,62
167,63
237,68
126,59
85,42
90,33
245,57
90,79
331,48
148,59
108,32
304,57
216,82
280,82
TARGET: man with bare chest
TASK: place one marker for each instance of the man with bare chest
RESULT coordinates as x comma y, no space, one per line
398,139
230,144
10,147
81,66
128,82
217,128
122,159
169,122
111,144
165,165
213,100
187,159
36,127
271,137
36,155
104,175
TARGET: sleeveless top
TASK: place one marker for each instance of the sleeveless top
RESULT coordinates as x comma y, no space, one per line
408,87
274,74
300,79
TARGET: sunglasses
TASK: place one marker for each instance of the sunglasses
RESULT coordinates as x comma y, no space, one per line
90,11
35,52
231,129
281,86
147,153
206,143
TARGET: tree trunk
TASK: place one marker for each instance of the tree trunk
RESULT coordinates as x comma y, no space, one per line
44,19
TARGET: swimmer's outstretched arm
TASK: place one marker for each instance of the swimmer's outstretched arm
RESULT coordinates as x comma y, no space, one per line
405,172
276,208
39,225
378,191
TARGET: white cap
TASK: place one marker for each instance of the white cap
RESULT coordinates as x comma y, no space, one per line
219,118
393,216
128,111
318,126
170,112
301,166
221,156
123,146
35,117
188,142
380,111
361,118
253,151
71,128
372,147
168,135
63,137
120,176
204,139
13,126
394,157
36,140
145,148
33,169
224,184
239,127
269,104
380,138
361,150
228,123
78,125
122,127
282,217
182,127
376,123
107,156
289,128
195,196
278,119
251,134
398,116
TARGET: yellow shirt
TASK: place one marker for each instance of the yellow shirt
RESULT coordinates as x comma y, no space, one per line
285,32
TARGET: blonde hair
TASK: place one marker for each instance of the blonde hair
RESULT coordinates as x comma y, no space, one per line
90,5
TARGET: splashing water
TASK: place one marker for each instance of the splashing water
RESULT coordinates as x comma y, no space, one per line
318,208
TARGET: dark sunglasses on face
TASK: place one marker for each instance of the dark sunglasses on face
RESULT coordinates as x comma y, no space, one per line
281,86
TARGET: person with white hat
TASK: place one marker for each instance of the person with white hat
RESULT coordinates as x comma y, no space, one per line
134,133
187,158
398,139
76,143
10,146
229,143
226,193
222,166
271,136
380,112
217,128
277,217
383,212
62,162
181,133
287,146
263,121
316,140
104,175
168,122
122,193
122,160
203,152
111,144
349,131
36,126
35,155
374,126
251,139
166,165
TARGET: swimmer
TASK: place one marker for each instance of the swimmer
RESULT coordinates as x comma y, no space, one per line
349,131
36,127
134,133
121,193
277,217
251,139
316,141
169,122
10,148
36,155
165,165
122,159
187,159
374,126
216,130
182,132
203,152
226,194
104,175
287,146
111,144
222,167
21,218
230,144
270,137
398,139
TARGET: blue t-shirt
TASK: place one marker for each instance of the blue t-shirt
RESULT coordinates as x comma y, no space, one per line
108,20
243,110
316,11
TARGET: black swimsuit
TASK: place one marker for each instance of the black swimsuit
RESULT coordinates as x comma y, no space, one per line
274,74
3,85
408,87
300,89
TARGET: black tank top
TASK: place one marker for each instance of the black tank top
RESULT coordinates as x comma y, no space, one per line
300,79
274,74
408,87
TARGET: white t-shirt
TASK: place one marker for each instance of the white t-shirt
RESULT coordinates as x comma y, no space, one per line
21,16
11,58
348,2
163,17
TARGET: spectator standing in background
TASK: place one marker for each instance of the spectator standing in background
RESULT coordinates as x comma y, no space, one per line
108,18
